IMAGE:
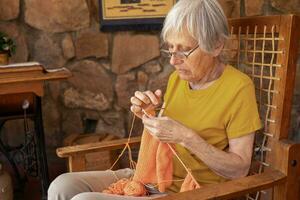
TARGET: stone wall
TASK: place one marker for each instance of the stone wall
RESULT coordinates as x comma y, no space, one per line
107,67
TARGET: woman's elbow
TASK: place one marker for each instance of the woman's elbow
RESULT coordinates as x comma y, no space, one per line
241,172
244,172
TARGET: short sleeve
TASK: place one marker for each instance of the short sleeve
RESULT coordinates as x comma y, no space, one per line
243,114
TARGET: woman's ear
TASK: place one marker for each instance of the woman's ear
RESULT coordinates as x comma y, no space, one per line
219,46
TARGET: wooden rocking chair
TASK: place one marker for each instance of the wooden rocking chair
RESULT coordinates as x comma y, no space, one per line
266,49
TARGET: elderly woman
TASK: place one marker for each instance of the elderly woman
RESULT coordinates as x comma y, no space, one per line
209,114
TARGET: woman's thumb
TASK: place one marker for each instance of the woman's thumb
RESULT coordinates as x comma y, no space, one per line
158,93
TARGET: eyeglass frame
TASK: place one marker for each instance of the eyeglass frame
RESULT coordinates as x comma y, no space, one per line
186,54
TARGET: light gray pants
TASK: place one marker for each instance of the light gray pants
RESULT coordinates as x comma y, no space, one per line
88,186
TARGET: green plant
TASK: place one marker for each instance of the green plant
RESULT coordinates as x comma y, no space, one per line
7,45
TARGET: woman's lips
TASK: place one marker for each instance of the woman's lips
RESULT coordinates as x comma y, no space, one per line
182,70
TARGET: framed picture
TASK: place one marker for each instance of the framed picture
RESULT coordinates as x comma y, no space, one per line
133,14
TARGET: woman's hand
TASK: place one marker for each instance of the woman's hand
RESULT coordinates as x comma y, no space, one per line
146,101
167,130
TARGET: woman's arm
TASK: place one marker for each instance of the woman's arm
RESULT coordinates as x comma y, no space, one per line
230,164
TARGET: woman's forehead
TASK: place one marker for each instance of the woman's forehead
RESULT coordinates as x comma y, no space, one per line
183,39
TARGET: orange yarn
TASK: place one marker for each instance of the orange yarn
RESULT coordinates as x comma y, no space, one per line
155,162
135,188
189,184
117,187
127,187
155,166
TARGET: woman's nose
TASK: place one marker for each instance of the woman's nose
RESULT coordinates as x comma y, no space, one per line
175,61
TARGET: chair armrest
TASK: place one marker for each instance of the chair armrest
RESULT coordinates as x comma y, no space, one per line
232,189
97,146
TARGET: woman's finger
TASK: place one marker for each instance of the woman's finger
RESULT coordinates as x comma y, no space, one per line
154,100
136,109
142,97
158,93
136,101
157,122
157,134
152,131
150,121
158,131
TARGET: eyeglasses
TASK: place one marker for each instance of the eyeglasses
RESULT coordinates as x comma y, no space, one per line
178,54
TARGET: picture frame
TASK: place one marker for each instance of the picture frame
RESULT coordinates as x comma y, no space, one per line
118,15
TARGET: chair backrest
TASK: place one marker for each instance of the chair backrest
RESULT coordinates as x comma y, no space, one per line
265,48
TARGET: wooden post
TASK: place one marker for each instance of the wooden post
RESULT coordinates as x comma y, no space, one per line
77,163
288,162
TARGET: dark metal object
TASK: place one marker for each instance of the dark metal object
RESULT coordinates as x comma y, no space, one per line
31,154
294,163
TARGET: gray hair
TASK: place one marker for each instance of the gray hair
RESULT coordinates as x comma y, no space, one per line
204,20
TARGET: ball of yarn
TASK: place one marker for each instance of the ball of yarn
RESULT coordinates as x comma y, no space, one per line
117,187
106,191
135,188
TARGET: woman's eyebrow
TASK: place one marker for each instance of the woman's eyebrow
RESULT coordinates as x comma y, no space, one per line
179,46
186,47
174,45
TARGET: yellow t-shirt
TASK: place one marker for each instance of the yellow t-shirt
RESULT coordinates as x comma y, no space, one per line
226,109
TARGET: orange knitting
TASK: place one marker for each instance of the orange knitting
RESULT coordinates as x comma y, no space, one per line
155,164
